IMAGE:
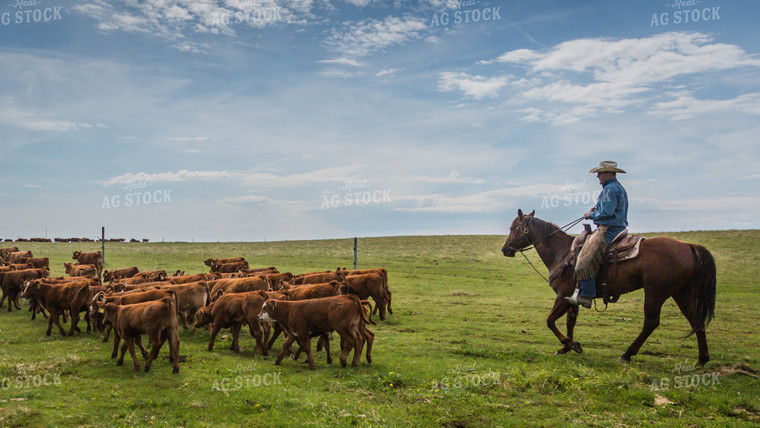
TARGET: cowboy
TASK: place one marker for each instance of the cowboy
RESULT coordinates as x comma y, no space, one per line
610,214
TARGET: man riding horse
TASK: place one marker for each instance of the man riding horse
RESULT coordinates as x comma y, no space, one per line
610,214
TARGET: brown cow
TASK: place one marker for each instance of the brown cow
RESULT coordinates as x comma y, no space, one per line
312,291
184,279
229,267
75,269
210,262
18,256
113,275
276,279
369,284
344,314
190,298
4,252
231,311
237,285
93,258
39,262
380,271
59,298
157,319
11,283
316,278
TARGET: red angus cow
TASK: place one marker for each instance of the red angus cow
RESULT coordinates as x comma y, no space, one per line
157,319
93,258
75,269
237,285
18,256
113,275
59,298
370,284
344,314
12,282
231,311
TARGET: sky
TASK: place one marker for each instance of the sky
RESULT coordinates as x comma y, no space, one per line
261,120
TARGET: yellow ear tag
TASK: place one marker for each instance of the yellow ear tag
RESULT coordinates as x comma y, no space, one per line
101,310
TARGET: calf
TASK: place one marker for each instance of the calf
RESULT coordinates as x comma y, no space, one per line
231,311
229,267
316,278
39,262
370,284
344,314
75,269
157,319
210,262
11,283
59,298
184,279
18,256
113,275
237,285
94,258
190,298
5,251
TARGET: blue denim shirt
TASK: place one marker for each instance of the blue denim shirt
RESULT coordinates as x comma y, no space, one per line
612,205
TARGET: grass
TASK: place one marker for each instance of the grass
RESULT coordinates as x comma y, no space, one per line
466,346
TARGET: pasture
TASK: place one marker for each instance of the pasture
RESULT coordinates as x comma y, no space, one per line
466,346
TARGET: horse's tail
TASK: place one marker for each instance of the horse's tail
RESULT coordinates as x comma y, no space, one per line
703,306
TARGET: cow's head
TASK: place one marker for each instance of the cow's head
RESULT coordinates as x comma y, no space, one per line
267,309
31,288
203,317
76,255
519,232
107,276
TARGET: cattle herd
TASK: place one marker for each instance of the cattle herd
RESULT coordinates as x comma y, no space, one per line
132,303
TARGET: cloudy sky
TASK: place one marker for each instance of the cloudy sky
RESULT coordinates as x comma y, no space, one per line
299,119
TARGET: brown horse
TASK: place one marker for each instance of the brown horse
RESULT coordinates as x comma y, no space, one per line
664,268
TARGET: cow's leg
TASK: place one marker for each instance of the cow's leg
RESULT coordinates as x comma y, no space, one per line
275,335
257,333
33,308
325,338
380,303
571,318
131,346
305,343
108,333
143,351
74,321
87,318
214,332
58,324
652,309
267,329
156,342
235,330
50,322
184,318
358,346
116,340
369,337
17,300
174,348
346,344
389,296
285,348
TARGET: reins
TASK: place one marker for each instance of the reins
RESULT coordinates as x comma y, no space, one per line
563,228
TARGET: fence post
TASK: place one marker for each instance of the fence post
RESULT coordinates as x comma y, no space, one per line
354,253
103,243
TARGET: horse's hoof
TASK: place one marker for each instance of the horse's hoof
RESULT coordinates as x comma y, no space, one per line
623,360
576,346
562,351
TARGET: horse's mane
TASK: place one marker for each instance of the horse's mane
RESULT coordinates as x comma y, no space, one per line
544,228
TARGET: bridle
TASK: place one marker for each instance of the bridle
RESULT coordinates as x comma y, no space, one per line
532,245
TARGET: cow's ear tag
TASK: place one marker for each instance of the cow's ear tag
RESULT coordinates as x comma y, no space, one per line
101,310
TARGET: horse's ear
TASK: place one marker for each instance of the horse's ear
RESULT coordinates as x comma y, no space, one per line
520,214
532,213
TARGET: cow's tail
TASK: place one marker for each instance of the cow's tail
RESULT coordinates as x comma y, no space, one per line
387,290
173,311
363,303
704,280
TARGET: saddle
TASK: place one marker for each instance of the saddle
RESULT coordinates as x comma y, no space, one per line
622,248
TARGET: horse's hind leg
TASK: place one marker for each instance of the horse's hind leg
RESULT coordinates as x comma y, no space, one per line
652,309
683,300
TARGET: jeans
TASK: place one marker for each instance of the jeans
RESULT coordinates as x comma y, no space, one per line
588,286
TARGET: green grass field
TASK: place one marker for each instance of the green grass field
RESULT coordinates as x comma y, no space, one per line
466,346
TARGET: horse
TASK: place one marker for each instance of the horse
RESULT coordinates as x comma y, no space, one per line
665,268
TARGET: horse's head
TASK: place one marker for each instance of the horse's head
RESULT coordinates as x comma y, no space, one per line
518,234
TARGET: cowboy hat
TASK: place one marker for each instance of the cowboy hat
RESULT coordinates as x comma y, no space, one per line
607,166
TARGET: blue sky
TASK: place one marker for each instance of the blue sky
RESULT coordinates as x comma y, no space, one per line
267,120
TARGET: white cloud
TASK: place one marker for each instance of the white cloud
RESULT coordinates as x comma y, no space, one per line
584,78
342,61
371,35
386,72
476,87
179,176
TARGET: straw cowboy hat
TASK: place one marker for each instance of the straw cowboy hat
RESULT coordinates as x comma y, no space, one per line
607,166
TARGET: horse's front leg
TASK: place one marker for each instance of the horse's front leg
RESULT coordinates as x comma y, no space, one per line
561,307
